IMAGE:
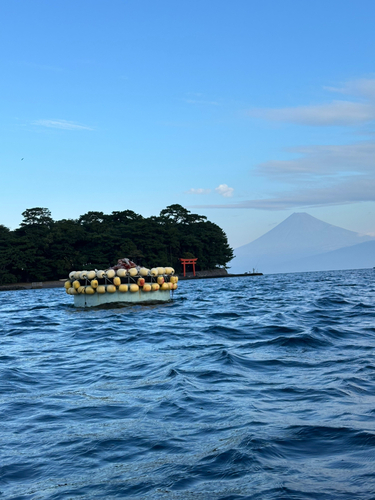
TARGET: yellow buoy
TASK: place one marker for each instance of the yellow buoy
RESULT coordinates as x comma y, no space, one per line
100,274
133,271
140,281
173,279
160,280
76,284
94,283
111,273
77,274
123,288
155,287
67,284
170,286
100,289
111,288
72,291
121,273
161,270
72,274
143,271
165,286
147,287
174,286
117,281
168,270
89,290
154,271
91,275
67,291
134,288
81,289
83,275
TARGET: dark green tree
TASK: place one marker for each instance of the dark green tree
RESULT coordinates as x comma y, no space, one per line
6,256
32,241
44,249
36,217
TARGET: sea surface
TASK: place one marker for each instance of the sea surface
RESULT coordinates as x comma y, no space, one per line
240,388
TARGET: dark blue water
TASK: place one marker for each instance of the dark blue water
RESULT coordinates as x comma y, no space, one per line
241,388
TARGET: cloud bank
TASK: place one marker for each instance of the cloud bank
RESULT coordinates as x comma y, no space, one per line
344,113
357,158
341,194
339,113
323,175
364,87
320,175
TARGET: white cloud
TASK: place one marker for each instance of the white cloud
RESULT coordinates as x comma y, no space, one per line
340,112
357,158
322,176
61,124
362,87
319,175
198,191
354,191
344,113
225,190
199,101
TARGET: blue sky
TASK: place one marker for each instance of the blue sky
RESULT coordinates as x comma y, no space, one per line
242,111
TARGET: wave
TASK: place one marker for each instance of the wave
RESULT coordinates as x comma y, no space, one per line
237,389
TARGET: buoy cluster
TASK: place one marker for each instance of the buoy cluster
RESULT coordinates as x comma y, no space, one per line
135,279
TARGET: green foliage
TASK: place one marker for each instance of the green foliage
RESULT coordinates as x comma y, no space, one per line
43,249
6,256
36,216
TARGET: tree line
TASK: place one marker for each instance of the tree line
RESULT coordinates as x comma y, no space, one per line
43,249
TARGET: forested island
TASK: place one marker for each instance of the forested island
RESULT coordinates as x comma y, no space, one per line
43,249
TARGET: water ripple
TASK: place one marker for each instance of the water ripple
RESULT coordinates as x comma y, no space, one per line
243,388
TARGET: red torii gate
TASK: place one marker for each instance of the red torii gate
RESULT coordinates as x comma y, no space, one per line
184,262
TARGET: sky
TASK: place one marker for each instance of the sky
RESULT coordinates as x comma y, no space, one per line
242,111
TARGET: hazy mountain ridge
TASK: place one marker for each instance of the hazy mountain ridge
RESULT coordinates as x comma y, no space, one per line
353,257
283,248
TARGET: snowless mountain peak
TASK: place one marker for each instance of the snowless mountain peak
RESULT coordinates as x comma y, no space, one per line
300,235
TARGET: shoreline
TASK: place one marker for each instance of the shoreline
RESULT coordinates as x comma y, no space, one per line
182,278
40,285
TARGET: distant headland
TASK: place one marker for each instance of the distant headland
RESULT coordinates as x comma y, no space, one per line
44,250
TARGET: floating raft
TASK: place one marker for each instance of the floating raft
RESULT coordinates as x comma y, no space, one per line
133,285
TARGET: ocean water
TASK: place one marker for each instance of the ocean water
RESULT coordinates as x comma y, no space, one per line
240,388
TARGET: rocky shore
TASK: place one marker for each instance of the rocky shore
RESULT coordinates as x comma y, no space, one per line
32,286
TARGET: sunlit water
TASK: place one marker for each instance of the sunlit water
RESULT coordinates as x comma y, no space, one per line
241,388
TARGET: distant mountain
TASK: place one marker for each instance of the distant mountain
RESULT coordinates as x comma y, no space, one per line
297,237
354,257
